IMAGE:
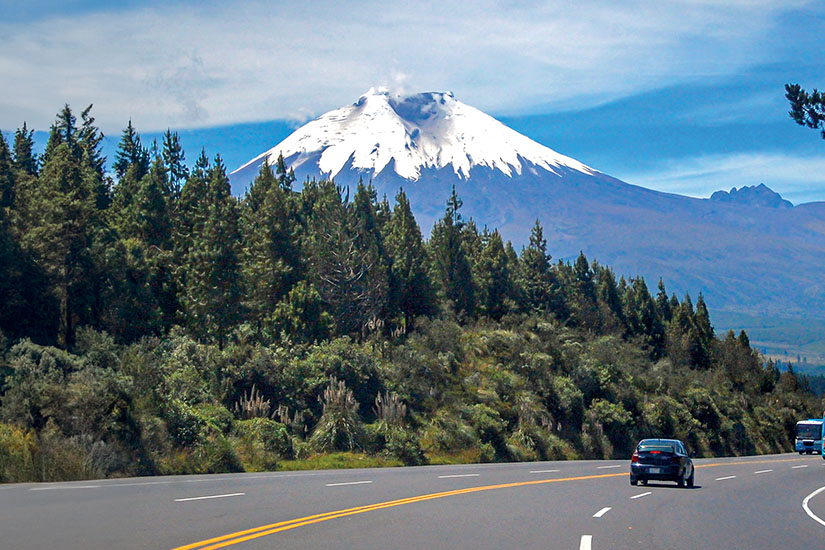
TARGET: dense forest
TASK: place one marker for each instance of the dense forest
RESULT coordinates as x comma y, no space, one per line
152,323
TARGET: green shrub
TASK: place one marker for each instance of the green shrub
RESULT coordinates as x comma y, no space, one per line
447,432
18,449
340,428
273,436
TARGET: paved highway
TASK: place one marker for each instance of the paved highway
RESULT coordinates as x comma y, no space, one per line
763,502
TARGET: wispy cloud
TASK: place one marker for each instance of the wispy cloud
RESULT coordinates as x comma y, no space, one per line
186,66
797,178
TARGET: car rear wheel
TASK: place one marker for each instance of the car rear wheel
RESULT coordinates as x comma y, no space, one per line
634,482
690,479
681,481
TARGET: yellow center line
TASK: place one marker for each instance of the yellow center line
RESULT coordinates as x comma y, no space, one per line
264,530
270,529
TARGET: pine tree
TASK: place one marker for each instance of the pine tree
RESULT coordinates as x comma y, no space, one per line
189,213
213,280
540,288
368,238
7,179
89,139
450,265
585,304
24,158
413,294
285,177
131,153
609,295
495,284
662,302
807,109
350,278
174,159
61,234
148,216
271,262
702,320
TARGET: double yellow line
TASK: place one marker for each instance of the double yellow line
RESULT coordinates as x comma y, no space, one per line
271,529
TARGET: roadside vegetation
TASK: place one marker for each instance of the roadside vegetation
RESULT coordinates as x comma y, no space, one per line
154,324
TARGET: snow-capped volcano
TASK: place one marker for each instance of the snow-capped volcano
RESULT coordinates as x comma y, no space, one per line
737,254
408,133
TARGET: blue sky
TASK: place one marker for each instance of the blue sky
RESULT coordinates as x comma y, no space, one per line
681,96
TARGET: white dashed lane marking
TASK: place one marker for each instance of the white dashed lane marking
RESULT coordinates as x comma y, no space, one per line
348,483
458,475
641,495
602,512
586,543
724,478
763,471
209,497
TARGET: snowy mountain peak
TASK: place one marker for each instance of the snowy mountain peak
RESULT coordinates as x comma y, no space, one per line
408,133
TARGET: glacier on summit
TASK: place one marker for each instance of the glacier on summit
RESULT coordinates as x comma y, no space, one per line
408,133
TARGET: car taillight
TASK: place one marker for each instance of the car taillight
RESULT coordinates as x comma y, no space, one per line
634,458
655,452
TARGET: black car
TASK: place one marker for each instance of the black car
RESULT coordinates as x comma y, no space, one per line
661,460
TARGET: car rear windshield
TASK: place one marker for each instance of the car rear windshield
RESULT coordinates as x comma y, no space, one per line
661,447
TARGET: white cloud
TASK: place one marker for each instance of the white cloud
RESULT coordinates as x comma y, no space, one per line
234,62
797,178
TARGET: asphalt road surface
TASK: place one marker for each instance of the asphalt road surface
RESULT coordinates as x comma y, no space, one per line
765,502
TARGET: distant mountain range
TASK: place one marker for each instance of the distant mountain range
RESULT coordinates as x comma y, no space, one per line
747,250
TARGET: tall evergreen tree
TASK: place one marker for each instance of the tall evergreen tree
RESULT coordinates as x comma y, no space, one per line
174,159
7,179
89,139
25,160
663,303
413,294
271,261
131,153
213,282
451,268
62,230
539,285
366,231
495,283
285,177
609,295
702,320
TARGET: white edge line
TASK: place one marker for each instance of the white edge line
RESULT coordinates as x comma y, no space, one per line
209,497
808,510
586,543
347,483
606,467
543,471
724,478
458,475
602,512
763,471
64,487
795,467
641,495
